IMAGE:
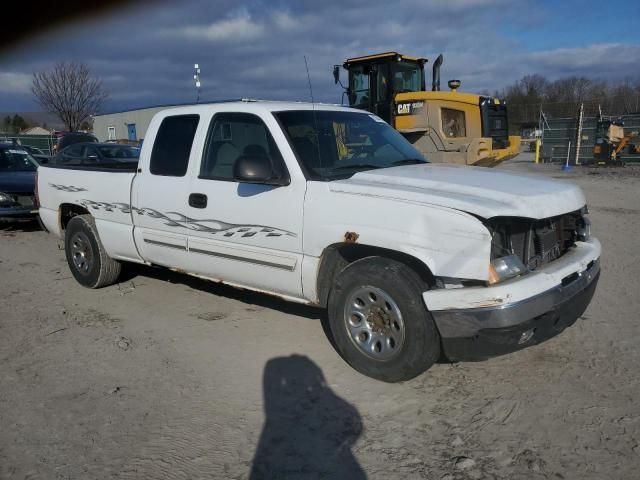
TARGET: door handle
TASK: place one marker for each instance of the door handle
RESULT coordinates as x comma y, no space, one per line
198,200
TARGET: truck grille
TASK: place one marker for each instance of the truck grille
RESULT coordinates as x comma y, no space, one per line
535,242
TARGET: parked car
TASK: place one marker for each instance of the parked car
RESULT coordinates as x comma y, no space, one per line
17,183
36,153
32,150
96,154
70,138
330,206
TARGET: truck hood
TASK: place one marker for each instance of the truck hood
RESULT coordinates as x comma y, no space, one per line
17,182
481,191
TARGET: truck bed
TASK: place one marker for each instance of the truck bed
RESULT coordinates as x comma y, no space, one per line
104,192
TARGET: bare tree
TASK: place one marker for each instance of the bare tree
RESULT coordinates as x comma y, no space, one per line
69,91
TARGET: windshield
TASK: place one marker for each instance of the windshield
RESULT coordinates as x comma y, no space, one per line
119,152
332,144
16,160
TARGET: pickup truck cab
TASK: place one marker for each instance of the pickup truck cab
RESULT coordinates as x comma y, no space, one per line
330,206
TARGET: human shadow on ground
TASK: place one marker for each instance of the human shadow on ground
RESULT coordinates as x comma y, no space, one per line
309,430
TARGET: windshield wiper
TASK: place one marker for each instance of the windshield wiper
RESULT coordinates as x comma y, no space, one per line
408,161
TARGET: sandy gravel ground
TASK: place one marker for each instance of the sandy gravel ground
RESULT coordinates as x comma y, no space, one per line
166,376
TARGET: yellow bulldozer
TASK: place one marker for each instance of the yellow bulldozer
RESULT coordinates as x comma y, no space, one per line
446,126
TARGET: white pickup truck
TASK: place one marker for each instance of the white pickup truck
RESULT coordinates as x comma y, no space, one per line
330,206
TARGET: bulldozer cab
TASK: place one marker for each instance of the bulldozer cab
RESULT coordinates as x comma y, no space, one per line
446,126
374,81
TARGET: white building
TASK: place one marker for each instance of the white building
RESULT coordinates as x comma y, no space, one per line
125,125
131,124
35,131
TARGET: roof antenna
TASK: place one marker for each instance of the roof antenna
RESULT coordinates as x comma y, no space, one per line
309,79
313,109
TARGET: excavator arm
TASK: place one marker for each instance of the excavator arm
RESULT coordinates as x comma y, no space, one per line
625,140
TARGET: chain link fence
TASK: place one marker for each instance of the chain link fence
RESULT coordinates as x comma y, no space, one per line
560,137
43,142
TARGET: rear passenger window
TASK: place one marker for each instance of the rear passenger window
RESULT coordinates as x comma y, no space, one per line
232,136
72,155
172,146
75,151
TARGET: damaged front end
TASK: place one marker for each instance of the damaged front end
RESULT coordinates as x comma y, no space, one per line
542,276
520,245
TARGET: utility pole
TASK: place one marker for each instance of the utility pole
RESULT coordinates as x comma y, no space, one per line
196,78
579,139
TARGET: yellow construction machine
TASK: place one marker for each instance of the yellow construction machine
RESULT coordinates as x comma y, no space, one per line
446,126
611,139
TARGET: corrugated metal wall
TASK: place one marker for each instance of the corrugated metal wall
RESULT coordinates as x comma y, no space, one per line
558,132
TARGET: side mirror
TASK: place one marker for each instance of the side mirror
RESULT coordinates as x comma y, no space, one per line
257,169
336,74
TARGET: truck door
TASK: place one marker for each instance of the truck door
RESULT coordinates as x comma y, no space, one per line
247,234
382,91
160,197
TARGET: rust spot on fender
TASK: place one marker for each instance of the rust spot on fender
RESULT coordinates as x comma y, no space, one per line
351,237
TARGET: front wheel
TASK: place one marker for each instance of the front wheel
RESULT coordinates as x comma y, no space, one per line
379,322
86,256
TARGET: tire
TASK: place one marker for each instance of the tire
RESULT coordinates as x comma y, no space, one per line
403,341
86,256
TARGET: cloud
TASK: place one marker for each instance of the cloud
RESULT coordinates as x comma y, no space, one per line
15,82
145,55
605,58
237,28
285,21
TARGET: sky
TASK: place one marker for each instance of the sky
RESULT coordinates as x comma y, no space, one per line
145,53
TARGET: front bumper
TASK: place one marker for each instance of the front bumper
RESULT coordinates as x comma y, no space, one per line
518,313
14,213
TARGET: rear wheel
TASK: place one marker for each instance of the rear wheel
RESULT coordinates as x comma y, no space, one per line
379,322
86,256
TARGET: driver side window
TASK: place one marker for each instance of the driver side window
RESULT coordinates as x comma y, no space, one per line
91,152
232,136
75,151
73,154
359,86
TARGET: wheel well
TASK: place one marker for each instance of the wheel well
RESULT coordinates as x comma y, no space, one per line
68,211
336,257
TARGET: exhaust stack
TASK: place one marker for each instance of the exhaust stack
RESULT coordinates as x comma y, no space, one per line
435,84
